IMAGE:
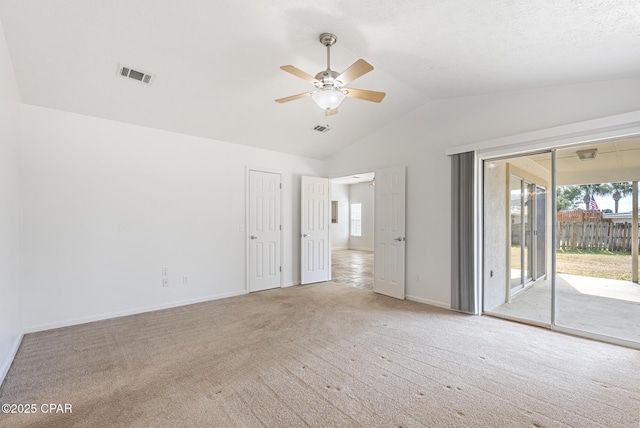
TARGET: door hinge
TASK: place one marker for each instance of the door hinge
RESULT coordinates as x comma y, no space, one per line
281,185
280,227
280,268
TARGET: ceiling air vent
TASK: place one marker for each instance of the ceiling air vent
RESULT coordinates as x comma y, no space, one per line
140,76
321,128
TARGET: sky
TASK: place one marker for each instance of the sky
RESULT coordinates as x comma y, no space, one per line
604,202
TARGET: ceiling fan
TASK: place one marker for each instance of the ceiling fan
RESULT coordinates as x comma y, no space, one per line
330,90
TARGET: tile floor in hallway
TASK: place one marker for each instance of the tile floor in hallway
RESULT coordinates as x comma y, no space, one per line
353,268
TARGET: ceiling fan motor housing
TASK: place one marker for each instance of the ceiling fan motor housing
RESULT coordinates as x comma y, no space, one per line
328,78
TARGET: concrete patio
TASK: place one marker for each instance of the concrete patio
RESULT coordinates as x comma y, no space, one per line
604,306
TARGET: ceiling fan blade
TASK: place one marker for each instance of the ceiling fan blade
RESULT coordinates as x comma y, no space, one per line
294,97
299,73
331,112
356,70
363,94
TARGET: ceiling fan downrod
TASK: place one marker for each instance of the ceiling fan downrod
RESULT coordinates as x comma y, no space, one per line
328,76
328,40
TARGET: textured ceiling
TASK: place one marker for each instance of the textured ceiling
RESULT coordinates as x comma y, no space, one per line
216,63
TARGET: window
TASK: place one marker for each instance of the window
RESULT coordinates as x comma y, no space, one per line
356,219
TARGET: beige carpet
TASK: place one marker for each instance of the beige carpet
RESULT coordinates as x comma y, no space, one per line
324,355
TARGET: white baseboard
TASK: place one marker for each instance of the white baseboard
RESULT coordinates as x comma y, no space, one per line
339,248
429,302
67,323
6,364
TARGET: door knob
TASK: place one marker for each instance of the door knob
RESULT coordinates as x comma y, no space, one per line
399,238
304,235
254,237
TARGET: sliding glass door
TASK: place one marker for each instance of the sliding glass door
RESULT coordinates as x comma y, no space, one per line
596,279
540,232
524,215
516,234
517,255
573,210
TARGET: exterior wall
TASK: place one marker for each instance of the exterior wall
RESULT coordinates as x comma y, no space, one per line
619,218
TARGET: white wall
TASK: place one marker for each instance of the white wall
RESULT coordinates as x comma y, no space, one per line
363,193
107,205
10,298
340,230
420,139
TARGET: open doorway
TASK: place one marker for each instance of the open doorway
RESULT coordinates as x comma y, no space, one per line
352,230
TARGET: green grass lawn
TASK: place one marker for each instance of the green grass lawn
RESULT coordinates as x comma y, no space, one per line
598,264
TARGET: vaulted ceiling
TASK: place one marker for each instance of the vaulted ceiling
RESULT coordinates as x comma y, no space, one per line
216,63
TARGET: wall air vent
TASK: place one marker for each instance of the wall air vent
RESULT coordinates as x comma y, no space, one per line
140,76
321,128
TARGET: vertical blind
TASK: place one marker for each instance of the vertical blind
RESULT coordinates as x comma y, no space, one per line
463,290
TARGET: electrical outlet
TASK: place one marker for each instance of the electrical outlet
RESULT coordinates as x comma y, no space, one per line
165,271
165,282
185,279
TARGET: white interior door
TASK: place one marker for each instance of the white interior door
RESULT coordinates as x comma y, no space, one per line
264,231
314,233
390,232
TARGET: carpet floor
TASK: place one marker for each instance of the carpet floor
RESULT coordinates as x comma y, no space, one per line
324,355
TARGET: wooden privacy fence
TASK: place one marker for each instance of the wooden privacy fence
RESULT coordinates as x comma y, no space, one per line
575,235
582,215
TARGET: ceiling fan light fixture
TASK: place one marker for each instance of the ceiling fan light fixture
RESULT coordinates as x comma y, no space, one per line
329,98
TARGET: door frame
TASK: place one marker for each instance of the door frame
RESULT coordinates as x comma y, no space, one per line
245,232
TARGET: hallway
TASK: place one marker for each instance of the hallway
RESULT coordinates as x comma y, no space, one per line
353,268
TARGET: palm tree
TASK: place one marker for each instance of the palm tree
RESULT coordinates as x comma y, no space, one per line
592,190
620,190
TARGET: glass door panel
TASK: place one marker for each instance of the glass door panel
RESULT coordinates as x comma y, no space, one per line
594,288
527,237
515,198
513,194
540,232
